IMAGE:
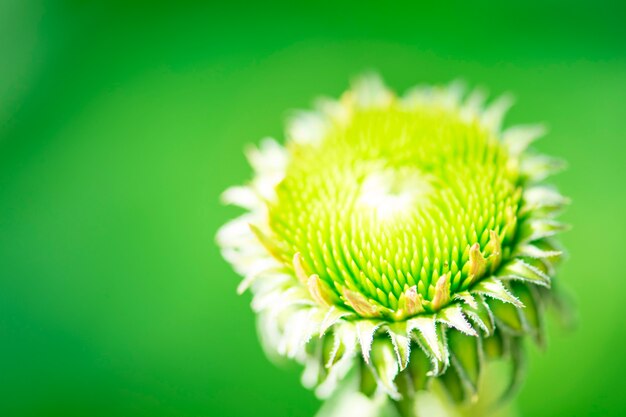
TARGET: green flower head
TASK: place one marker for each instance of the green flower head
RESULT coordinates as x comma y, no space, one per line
407,239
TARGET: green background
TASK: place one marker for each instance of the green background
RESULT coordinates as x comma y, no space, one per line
120,124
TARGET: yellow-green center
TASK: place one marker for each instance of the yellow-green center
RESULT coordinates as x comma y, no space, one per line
396,199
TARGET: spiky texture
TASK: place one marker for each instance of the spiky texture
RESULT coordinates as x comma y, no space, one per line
408,237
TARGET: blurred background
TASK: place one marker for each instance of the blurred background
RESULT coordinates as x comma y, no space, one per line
121,123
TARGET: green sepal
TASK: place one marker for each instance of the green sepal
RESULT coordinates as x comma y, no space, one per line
401,341
432,341
517,368
365,330
493,288
494,346
419,367
542,201
535,168
517,269
314,372
466,297
426,334
537,250
385,366
453,385
561,301
443,346
406,404
465,354
533,313
506,315
481,315
332,349
540,228
453,317
367,382
332,316
518,138
546,251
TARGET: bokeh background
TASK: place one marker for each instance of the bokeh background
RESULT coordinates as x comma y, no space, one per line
121,122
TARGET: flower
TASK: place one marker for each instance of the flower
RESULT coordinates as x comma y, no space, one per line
408,238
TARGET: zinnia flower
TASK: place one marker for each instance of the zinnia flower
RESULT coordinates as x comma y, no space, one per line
403,242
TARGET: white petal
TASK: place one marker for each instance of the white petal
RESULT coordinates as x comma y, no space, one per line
335,110
518,138
331,317
241,196
261,267
494,114
307,127
370,92
539,167
269,157
473,105
297,332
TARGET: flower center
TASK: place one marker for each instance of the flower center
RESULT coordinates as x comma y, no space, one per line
395,203
392,193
